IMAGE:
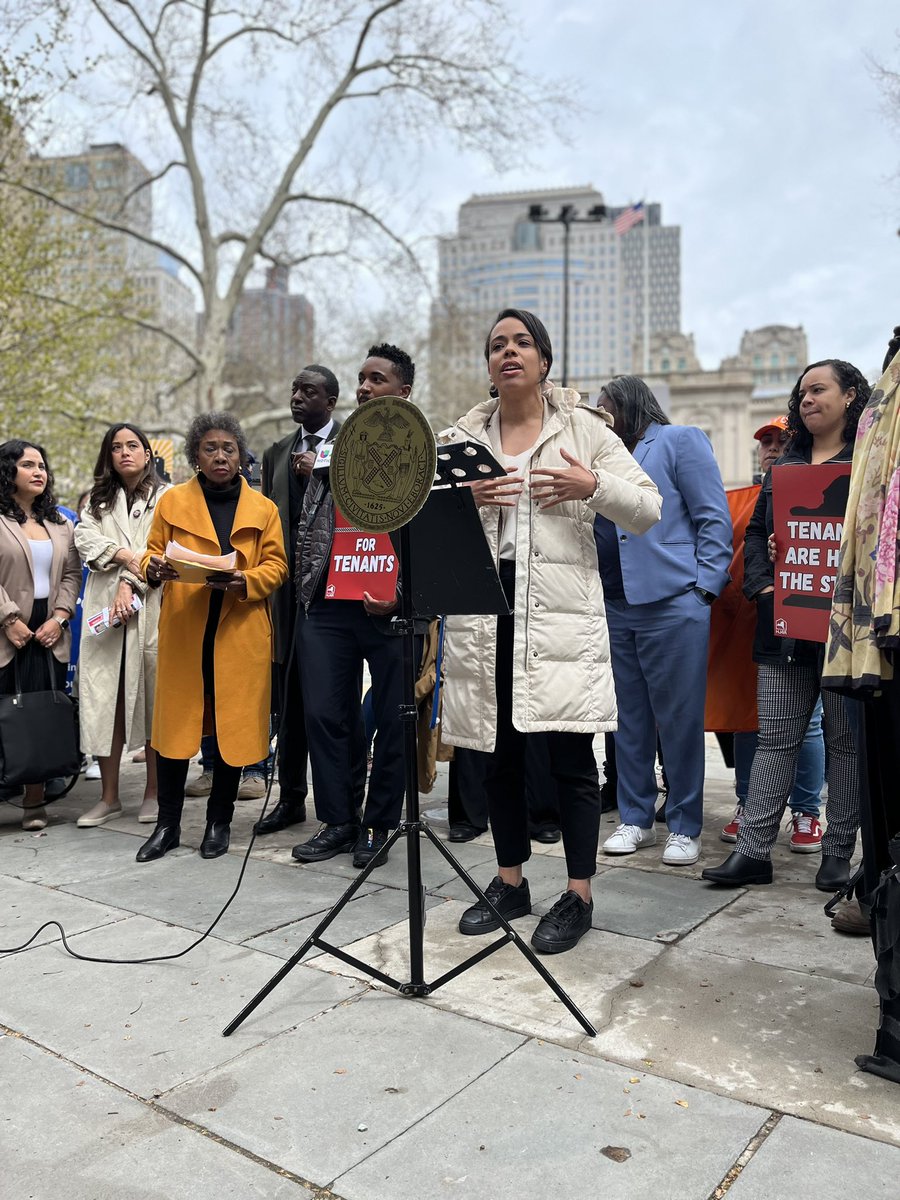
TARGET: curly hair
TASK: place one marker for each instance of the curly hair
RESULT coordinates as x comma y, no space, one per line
848,378
205,423
45,506
107,481
406,368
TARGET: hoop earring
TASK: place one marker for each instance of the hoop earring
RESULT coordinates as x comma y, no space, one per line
492,392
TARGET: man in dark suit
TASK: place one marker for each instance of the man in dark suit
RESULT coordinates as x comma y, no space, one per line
286,469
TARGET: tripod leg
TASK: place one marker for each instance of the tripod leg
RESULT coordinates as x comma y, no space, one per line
525,949
313,939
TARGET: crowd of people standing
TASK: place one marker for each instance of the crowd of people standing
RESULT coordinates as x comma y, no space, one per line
641,606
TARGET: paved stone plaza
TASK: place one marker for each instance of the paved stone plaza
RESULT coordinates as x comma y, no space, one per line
728,1023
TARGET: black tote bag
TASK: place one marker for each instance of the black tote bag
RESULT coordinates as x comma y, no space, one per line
38,735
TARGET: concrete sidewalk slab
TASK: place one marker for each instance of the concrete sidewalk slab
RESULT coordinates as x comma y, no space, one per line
786,928
802,1159
25,906
148,1028
363,915
190,891
774,1037
65,854
501,1138
505,989
70,1134
651,904
380,1063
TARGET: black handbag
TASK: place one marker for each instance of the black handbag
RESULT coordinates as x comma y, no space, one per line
38,735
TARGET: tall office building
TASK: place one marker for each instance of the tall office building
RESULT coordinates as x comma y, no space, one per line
499,257
108,180
271,331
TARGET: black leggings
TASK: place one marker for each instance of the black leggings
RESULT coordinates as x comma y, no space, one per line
572,765
172,772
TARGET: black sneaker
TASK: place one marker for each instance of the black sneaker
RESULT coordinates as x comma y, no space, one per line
511,901
328,842
369,845
564,925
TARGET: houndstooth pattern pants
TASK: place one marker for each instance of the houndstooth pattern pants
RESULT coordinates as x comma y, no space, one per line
786,697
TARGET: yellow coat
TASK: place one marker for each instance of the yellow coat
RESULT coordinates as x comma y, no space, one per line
243,647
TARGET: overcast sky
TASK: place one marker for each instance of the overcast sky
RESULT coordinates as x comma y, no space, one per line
759,127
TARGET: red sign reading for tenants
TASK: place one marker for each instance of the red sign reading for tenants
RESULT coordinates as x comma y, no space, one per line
360,562
808,505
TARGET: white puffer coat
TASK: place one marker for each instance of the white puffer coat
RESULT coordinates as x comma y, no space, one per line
562,678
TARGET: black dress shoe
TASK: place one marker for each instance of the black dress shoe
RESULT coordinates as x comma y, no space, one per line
285,813
564,925
328,842
369,845
738,870
163,839
462,831
511,901
546,834
833,873
216,838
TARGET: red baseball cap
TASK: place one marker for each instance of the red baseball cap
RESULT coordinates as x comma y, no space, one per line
780,423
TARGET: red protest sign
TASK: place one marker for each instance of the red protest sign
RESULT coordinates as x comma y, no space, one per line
808,505
360,562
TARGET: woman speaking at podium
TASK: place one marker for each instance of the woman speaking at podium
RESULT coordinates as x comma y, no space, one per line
545,668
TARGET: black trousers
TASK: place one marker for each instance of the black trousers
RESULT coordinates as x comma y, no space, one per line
571,763
172,772
333,639
293,750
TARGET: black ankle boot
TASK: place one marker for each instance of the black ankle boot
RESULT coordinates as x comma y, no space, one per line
216,838
833,873
163,839
738,870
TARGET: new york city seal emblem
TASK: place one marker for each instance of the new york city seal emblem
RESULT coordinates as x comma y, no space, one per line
383,464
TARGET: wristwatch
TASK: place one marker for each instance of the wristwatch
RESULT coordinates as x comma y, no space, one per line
705,595
62,622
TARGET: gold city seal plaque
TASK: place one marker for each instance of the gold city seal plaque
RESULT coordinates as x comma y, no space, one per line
383,464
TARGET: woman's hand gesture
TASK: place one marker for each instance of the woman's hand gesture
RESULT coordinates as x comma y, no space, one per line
501,492
559,484
158,570
228,581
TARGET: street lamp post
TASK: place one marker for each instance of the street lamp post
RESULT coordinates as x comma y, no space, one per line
568,216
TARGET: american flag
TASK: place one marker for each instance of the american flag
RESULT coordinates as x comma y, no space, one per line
629,218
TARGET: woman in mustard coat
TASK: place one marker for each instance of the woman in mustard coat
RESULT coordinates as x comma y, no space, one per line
215,638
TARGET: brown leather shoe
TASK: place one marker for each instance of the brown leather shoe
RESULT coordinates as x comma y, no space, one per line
851,919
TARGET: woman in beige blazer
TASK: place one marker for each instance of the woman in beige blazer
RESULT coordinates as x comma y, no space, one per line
117,668
40,577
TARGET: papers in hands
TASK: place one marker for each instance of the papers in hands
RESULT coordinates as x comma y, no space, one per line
193,567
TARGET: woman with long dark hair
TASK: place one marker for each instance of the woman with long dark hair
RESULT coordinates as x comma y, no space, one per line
823,413
545,668
215,638
117,668
40,577
658,592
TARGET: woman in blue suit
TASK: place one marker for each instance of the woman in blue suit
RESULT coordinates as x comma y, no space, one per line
658,590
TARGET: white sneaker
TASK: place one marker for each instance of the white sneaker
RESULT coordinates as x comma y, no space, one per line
201,786
629,838
681,850
93,771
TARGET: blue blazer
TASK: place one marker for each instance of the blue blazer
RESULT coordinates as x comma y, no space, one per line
691,545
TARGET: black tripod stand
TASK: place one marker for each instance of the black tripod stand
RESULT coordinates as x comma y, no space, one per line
449,511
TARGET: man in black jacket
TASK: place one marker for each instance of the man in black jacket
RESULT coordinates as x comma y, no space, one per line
286,470
334,637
